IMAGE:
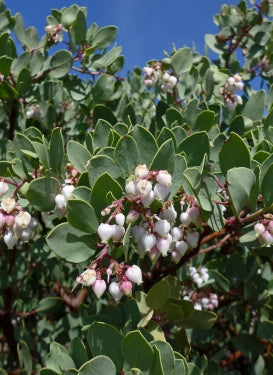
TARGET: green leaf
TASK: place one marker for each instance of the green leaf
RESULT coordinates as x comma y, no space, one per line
157,368
24,357
78,155
205,120
160,161
126,155
24,82
49,305
266,188
104,37
100,365
234,153
200,320
105,339
103,185
69,16
158,294
42,192
78,351
255,106
241,181
209,84
101,133
146,144
195,147
137,351
99,165
5,63
103,112
81,215
178,174
60,64
56,152
80,27
182,60
104,88
70,243
166,354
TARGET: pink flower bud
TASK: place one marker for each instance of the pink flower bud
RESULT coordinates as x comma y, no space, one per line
269,227
164,178
134,274
99,287
126,287
266,238
162,227
141,171
105,232
120,219
22,220
148,240
176,256
9,220
3,188
192,239
117,232
161,191
132,216
8,205
114,289
87,278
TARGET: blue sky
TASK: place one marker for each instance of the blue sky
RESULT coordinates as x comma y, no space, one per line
146,27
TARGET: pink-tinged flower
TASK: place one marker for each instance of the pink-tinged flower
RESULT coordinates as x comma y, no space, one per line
177,234
164,178
137,232
185,218
67,191
181,247
192,239
148,199
126,287
169,214
2,220
141,171
266,238
105,232
132,216
99,287
163,245
8,205
9,219
114,289
259,228
87,278
22,220
134,274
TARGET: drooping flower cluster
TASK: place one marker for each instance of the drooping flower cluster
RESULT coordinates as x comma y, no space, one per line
120,278
231,99
155,76
15,223
199,275
62,198
54,32
264,231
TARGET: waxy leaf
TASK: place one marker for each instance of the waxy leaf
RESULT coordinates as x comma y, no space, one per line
78,155
241,181
60,64
126,155
70,244
81,215
100,365
195,147
182,60
42,192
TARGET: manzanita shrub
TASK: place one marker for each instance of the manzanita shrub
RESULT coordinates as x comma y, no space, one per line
136,213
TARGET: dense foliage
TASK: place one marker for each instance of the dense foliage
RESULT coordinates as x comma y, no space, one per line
136,213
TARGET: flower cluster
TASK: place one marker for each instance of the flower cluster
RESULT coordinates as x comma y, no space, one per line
15,223
71,174
264,231
53,31
202,300
199,275
155,76
61,199
123,275
231,99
